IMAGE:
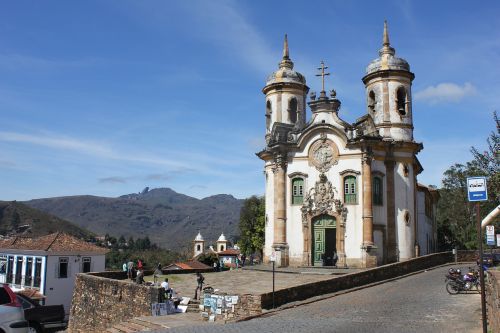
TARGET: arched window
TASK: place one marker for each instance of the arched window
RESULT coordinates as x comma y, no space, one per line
297,191
377,191
292,110
198,247
350,191
269,111
371,101
401,101
222,247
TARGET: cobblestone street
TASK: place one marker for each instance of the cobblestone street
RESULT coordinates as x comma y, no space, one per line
418,303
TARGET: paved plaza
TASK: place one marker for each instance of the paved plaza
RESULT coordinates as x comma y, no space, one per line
416,303
252,280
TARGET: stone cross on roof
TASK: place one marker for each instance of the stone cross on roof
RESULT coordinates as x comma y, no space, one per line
322,74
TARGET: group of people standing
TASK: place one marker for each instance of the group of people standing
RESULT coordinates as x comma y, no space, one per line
132,272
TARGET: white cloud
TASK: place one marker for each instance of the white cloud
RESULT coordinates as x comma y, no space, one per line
446,92
224,23
56,142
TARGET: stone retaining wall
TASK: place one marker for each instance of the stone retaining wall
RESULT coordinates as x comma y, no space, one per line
99,301
103,299
352,280
493,301
248,305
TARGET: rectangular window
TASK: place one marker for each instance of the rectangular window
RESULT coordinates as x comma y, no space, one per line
297,191
63,268
10,270
3,264
29,271
86,264
350,190
38,273
19,270
377,191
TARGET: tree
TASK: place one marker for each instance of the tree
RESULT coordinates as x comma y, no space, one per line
252,225
456,216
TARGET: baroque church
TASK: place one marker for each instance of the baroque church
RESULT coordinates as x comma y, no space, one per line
344,191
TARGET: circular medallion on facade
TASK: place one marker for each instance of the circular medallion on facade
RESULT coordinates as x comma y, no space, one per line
323,154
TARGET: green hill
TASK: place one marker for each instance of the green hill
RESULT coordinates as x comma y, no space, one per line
168,218
19,219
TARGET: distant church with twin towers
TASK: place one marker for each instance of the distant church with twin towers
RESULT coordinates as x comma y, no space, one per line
340,190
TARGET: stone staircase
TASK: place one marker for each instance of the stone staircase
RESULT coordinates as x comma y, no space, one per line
143,324
135,325
193,305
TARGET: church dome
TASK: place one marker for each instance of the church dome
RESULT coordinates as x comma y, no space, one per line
222,238
285,72
199,237
387,59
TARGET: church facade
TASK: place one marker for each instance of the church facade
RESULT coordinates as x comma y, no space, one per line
344,193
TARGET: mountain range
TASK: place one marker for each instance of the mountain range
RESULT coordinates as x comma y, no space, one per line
168,218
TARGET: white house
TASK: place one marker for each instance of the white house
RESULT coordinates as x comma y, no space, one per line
49,264
334,187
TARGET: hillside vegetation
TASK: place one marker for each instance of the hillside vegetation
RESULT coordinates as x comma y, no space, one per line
17,218
168,218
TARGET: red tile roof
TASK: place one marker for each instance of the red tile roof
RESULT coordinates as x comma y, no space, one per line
188,265
229,252
57,242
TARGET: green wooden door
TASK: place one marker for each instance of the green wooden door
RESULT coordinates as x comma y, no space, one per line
318,244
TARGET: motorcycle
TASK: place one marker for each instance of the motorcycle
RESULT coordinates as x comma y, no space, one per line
456,282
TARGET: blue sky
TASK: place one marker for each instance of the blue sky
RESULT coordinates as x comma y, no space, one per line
108,97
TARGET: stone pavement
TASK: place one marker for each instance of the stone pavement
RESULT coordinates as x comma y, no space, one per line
415,303
255,281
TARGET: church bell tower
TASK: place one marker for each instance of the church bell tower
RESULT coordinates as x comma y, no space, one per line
286,93
388,93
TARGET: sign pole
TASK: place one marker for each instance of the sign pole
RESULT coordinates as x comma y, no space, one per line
477,190
481,273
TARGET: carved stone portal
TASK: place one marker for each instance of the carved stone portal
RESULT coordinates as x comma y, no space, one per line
319,200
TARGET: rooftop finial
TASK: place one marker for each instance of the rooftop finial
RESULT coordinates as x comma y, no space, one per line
285,48
386,46
386,35
286,62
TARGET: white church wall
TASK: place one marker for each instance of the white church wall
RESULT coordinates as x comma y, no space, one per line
404,203
380,211
269,199
425,226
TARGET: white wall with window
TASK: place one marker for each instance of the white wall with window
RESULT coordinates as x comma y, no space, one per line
53,274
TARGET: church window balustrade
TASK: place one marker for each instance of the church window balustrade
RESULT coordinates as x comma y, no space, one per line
297,191
350,190
377,191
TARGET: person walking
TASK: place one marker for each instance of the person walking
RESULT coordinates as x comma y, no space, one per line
130,268
200,280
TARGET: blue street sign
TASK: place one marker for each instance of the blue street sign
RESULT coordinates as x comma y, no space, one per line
477,189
